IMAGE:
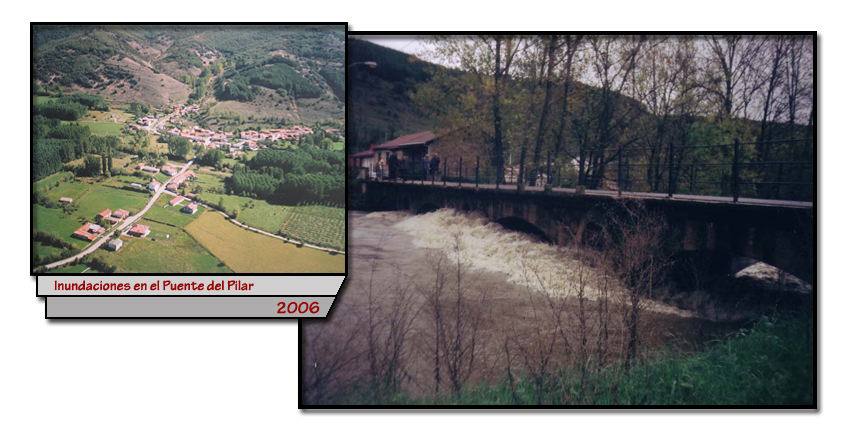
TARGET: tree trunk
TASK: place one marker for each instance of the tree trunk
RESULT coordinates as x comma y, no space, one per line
542,123
497,118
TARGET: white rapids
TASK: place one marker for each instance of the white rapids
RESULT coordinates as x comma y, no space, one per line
487,246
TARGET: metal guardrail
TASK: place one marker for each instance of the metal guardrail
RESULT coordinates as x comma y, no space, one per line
671,168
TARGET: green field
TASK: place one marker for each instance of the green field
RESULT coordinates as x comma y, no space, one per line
104,197
318,225
248,252
338,146
42,99
55,220
170,214
100,128
50,180
158,254
262,215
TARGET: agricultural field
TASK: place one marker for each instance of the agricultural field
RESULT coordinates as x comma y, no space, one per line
104,197
71,189
100,128
170,214
245,251
51,180
256,213
157,253
318,225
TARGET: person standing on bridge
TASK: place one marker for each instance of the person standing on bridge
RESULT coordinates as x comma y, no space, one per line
434,165
425,166
380,169
393,166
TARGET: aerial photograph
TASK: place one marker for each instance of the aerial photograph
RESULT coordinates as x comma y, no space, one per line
576,221
188,149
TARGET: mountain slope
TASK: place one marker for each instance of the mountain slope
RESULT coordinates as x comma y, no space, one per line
162,65
380,107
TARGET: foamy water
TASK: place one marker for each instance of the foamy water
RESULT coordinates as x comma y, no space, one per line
487,246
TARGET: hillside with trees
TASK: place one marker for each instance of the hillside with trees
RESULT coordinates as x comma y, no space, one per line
164,65
589,102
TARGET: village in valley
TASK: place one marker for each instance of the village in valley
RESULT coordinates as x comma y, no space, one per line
201,149
159,198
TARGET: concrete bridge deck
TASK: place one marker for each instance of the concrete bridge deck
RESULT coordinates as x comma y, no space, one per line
611,193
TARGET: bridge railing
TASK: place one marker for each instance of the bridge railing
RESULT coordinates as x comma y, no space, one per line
777,169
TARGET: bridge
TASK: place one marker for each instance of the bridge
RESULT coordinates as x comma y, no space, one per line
778,232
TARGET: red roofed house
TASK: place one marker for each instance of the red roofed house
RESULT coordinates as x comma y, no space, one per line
120,213
410,149
189,208
139,230
65,200
88,231
176,201
171,186
103,214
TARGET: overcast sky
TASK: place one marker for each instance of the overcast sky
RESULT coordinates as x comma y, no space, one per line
408,44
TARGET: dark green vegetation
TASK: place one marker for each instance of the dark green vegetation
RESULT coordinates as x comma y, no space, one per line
161,65
291,176
770,363
335,81
242,84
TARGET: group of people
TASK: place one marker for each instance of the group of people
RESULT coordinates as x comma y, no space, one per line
430,167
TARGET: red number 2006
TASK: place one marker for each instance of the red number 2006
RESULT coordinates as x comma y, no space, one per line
301,308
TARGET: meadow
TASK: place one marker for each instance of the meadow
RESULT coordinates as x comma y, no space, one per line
318,225
248,252
253,212
104,197
100,128
157,253
169,214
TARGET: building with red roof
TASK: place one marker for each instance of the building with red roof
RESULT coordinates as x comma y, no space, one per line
176,200
139,230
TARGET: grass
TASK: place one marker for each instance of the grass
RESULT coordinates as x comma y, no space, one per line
319,225
170,214
55,220
158,254
248,252
769,364
71,189
100,128
338,146
50,180
253,212
104,197
42,99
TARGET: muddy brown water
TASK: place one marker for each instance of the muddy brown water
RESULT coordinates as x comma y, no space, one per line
393,251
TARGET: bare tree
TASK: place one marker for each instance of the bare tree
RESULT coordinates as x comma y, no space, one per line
458,304
731,62
636,244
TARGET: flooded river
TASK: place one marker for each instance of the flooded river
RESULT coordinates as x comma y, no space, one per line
402,245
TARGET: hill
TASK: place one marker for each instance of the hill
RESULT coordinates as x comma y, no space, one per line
162,65
380,105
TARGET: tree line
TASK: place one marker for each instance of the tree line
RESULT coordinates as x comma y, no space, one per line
290,176
591,100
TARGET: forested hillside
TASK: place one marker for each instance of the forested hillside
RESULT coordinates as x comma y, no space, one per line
164,65
380,106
